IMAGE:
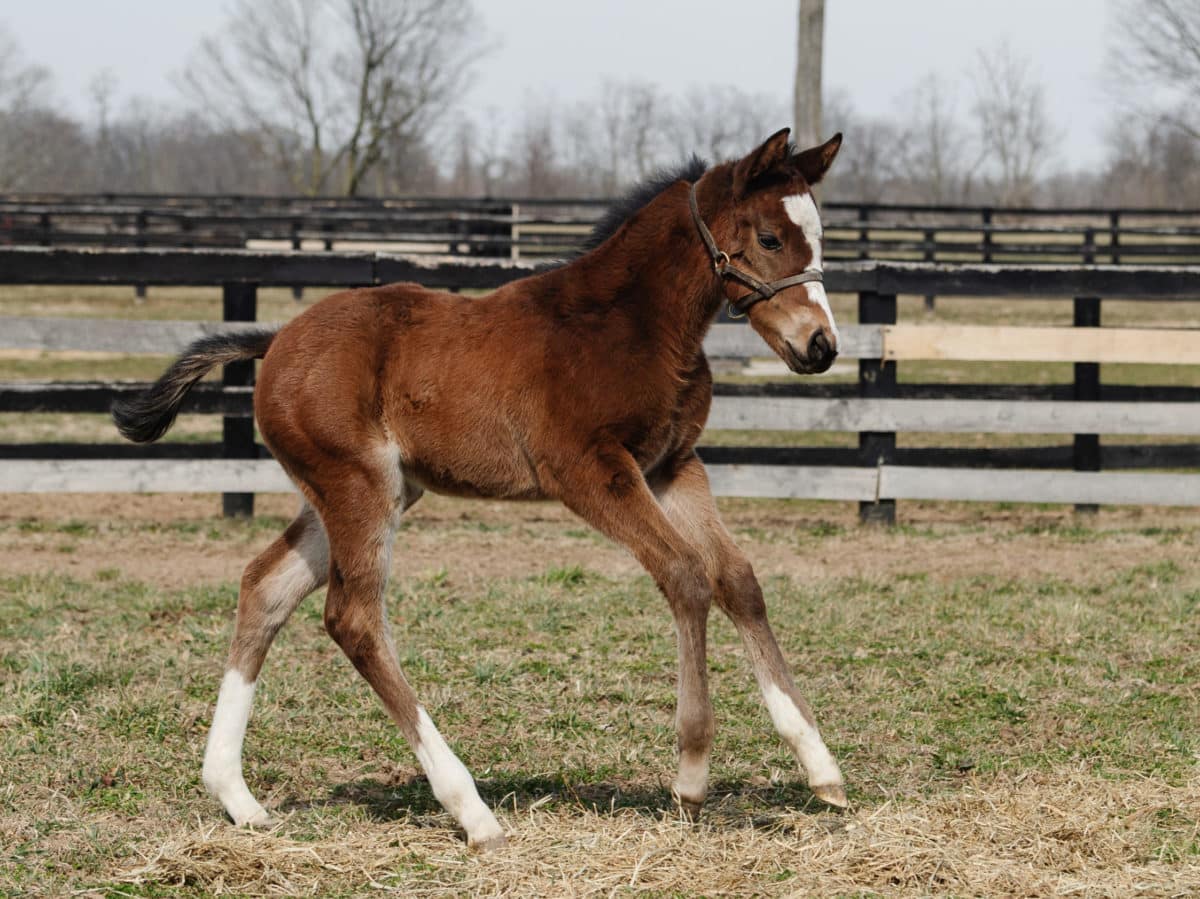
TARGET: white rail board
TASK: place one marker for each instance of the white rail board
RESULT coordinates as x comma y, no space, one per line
1032,486
103,335
170,337
763,481
741,341
794,481
952,416
138,476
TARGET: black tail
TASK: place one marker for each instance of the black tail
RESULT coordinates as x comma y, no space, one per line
147,416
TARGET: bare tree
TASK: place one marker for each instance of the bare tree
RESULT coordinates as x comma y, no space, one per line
717,121
867,165
933,146
22,84
630,115
1158,165
810,38
535,153
25,120
1015,135
334,86
1157,46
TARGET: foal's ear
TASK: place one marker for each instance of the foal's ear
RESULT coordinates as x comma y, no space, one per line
772,153
815,162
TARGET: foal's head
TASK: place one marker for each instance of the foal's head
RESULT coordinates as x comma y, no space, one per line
773,233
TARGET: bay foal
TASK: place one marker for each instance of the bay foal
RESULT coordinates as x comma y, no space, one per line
584,383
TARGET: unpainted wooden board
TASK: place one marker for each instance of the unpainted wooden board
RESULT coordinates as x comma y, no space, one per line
1004,344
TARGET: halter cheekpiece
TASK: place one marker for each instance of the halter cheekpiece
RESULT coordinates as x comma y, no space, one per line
759,290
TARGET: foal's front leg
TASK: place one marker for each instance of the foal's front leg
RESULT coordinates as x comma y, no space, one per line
689,505
610,493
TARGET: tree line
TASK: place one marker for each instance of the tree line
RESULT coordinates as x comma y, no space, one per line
359,97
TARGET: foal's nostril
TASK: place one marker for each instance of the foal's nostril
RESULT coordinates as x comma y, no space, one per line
819,350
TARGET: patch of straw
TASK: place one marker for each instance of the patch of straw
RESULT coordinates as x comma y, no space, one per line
1063,834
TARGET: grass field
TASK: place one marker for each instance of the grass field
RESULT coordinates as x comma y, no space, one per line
1013,695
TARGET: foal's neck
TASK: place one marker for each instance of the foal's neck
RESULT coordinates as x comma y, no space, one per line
657,260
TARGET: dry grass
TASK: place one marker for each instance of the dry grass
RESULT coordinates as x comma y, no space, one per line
1065,833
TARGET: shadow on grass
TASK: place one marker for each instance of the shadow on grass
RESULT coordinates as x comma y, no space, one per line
729,802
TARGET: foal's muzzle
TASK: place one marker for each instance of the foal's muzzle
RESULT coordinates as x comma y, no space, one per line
815,358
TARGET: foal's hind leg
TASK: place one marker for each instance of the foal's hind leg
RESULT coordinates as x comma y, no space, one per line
272,586
688,502
356,617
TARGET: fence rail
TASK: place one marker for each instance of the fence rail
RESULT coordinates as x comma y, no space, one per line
516,226
877,407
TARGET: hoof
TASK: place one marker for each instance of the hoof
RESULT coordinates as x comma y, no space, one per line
260,820
831,794
490,844
691,810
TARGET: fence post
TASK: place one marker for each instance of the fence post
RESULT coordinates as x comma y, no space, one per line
864,231
930,256
1086,455
1114,236
297,289
240,302
876,380
515,231
986,212
1089,247
139,289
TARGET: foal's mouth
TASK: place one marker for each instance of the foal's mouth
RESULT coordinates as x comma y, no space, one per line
801,364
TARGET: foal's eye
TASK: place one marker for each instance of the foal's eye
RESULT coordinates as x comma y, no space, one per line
769,241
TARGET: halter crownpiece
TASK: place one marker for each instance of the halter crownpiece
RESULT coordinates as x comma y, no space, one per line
759,290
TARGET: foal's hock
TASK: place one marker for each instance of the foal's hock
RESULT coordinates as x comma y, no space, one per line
585,383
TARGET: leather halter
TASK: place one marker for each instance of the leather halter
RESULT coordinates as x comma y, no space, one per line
759,290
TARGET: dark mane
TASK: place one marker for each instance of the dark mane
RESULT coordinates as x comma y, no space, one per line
637,197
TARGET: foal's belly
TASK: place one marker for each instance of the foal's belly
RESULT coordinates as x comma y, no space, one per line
471,482
467,462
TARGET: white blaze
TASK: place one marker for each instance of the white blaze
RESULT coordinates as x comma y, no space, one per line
801,209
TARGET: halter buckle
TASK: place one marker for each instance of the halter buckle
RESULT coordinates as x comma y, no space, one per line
731,311
720,262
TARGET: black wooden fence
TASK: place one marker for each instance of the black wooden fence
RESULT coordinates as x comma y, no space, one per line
877,407
516,227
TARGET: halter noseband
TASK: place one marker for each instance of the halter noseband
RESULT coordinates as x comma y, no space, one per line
760,290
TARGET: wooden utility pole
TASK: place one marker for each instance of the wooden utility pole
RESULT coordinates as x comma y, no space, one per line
809,39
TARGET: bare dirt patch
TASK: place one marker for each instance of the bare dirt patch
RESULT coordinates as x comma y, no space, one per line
175,540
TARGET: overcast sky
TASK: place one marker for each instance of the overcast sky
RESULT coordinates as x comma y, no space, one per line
874,49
